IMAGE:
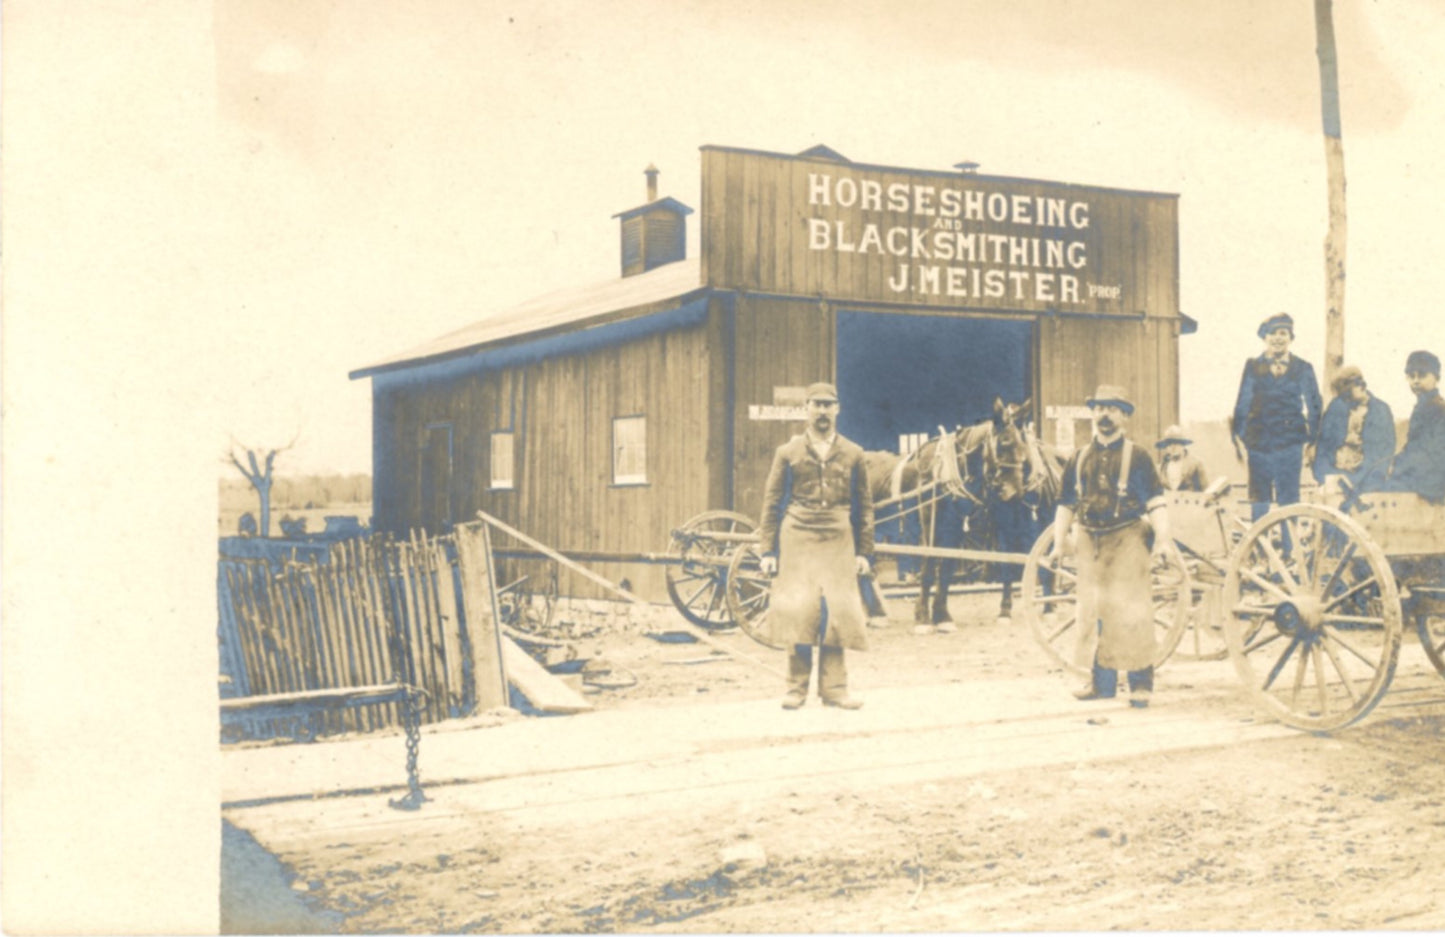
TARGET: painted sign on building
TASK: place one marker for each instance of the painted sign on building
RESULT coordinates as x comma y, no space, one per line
869,233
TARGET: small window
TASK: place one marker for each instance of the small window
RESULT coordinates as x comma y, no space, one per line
629,450
503,463
909,443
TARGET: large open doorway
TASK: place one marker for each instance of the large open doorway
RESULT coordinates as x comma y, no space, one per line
903,376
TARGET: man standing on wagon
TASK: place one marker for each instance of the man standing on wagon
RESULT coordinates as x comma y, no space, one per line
1276,416
1108,487
816,536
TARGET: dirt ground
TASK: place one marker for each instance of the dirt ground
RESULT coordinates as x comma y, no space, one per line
1294,831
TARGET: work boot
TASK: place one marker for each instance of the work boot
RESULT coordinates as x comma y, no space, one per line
1141,687
833,679
800,668
1104,684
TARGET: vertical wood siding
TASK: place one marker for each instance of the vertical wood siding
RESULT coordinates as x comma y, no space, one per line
561,410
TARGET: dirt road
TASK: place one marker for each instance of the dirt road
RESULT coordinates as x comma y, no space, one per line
971,793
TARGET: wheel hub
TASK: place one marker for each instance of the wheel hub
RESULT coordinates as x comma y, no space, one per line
1300,616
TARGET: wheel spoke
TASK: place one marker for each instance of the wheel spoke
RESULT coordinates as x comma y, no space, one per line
1301,662
706,582
1244,610
1265,584
1059,632
1268,639
1276,560
1320,547
713,604
1317,659
1279,664
1354,590
1333,635
1339,568
1339,666
1353,620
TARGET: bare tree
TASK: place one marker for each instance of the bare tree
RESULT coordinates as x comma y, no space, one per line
258,471
1335,164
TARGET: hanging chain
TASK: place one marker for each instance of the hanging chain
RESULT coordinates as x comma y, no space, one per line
411,722
411,706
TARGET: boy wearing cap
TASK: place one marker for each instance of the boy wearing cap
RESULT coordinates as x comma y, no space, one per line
1180,471
816,536
1276,416
1420,466
1108,487
1357,432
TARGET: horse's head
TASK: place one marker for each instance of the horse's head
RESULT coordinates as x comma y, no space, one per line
1008,456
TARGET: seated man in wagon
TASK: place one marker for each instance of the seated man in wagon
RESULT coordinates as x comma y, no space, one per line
1420,466
1357,432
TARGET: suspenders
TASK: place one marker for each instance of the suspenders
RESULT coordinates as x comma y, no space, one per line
1122,487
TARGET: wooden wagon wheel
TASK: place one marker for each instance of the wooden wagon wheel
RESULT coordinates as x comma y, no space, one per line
1431,629
1049,603
1312,617
748,591
1203,635
697,580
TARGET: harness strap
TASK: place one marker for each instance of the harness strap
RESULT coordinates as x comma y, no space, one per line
895,478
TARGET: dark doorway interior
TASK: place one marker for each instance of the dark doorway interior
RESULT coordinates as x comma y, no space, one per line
909,374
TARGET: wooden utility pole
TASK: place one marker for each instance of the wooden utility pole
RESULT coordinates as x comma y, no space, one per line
1335,165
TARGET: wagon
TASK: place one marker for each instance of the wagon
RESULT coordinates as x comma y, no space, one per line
1308,602
1315,598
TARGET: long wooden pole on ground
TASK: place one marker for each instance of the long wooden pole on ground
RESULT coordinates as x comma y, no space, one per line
615,589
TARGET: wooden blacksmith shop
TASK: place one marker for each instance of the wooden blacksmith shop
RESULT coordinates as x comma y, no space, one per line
600,418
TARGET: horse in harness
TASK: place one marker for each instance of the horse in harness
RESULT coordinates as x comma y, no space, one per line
990,485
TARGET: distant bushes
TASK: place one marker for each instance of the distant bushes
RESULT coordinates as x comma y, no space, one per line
298,492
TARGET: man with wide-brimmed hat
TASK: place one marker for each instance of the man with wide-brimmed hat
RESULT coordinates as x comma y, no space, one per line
1109,487
1276,416
1420,465
1357,432
1178,470
816,536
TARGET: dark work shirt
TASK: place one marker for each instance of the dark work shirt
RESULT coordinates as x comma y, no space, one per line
1096,502
1276,412
1420,466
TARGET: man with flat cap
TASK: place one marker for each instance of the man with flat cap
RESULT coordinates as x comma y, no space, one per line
1420,466
1178,470
1276,416
1357,432
816,536
1109,487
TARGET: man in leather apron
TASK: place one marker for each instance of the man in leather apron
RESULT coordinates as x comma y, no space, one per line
1109,486
816,537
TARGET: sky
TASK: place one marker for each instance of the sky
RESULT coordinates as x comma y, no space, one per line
213,213
337,182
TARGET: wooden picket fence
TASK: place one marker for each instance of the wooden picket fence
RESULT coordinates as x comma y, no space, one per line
370,612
